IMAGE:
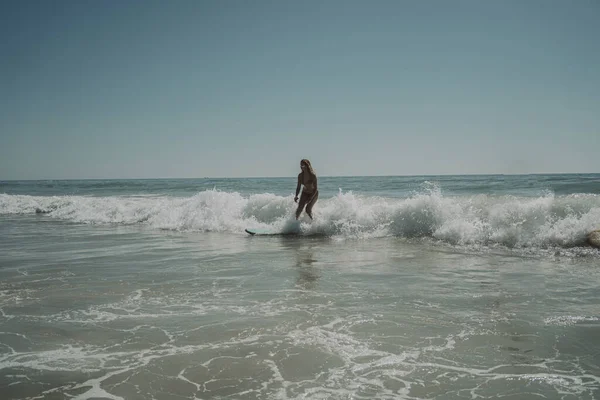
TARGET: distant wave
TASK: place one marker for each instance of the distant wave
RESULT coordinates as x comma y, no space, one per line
510,221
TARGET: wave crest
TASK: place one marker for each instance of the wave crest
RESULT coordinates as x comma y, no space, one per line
509,221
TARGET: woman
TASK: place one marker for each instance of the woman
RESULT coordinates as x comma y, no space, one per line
310,194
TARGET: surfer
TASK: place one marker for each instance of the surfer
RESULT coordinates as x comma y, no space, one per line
310,194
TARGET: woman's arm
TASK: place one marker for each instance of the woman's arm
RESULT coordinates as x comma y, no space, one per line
316,188
298,187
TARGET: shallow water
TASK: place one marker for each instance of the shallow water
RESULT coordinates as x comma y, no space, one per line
140,310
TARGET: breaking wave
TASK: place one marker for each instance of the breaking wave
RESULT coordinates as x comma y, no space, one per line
514,222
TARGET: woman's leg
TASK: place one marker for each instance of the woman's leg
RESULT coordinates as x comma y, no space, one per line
301,203
310,205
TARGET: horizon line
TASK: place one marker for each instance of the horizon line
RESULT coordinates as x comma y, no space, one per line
292,176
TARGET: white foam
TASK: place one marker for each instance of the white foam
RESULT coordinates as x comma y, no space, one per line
565,320
517,222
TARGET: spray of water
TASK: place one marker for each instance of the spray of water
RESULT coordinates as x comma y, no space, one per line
515,222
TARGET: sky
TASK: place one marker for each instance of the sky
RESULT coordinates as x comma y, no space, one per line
192,89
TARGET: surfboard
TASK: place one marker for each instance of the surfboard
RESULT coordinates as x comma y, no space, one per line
259,231
291,227
267,232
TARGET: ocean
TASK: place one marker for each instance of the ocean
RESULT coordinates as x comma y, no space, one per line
403,287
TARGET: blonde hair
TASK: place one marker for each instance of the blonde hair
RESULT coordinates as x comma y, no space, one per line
310,168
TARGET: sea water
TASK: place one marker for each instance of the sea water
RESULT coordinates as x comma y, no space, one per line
445,287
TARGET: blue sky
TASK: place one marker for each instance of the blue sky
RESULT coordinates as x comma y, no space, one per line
149,89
